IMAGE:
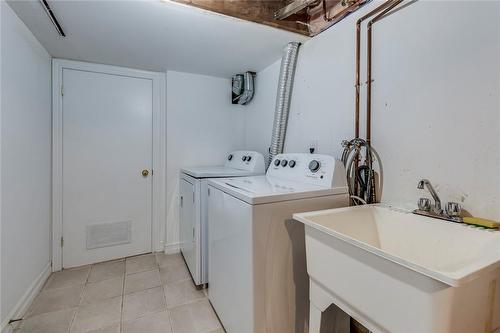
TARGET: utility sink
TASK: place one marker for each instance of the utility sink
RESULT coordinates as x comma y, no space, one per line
394,271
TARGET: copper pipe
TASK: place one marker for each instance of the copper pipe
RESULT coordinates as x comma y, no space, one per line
358,70
369,67
358,61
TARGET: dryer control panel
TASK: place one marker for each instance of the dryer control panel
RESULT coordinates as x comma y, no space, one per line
316,169
246,160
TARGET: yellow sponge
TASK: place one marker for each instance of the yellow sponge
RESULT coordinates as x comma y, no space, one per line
481,222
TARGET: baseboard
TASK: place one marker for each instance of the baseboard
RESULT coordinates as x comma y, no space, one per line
172,248
22,305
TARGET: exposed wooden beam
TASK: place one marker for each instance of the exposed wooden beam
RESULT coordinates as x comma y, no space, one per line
259,11
309,21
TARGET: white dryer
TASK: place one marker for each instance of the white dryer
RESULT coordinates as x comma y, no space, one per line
258,279
193,205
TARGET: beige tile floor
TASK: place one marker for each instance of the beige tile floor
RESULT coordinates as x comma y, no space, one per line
151,293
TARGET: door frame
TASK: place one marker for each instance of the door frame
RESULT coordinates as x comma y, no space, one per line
159,143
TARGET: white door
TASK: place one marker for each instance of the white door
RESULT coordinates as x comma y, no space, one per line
107,145
187,224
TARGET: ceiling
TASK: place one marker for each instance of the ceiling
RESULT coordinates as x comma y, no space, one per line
154,35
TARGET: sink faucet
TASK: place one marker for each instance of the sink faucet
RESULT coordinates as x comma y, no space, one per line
453,209
437,202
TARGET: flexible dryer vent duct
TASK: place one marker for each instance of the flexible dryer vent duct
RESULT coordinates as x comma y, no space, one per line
283,97
248,89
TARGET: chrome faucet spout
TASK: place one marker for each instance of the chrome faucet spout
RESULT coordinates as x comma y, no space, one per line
453,209
437,202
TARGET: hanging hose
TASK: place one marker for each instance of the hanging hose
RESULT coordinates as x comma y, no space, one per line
361,179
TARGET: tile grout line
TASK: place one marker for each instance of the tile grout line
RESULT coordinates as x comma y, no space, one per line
149,313
141,271
43,290
148,288
123,295
169,313
80,301
86,282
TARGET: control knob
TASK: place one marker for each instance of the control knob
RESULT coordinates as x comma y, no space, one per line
291,164
314,165
277,162
284,163
230,157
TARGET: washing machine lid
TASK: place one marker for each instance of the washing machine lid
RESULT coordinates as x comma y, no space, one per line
265,189
238,163
215,172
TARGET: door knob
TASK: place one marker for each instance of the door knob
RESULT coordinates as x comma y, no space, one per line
145,173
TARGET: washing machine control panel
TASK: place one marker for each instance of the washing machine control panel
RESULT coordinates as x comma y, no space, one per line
317,169
246,160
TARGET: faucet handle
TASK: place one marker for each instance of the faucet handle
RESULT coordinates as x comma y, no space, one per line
453,209
421,183
424,204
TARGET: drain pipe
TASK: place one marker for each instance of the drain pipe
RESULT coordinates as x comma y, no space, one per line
283,97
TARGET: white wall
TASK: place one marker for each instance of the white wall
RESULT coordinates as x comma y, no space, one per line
259,114
436,66
202,127
25,160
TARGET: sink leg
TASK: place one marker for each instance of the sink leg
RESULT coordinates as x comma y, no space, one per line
342,321
314,319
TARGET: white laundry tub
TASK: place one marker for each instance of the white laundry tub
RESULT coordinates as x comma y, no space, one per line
394,271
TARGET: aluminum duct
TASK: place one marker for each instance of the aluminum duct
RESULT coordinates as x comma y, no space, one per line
248,90
283,96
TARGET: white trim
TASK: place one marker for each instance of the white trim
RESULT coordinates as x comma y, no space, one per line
22,305
159,142
159,163
56,165
172,248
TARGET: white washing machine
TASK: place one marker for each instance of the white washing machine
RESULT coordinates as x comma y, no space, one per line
193,205
258,279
